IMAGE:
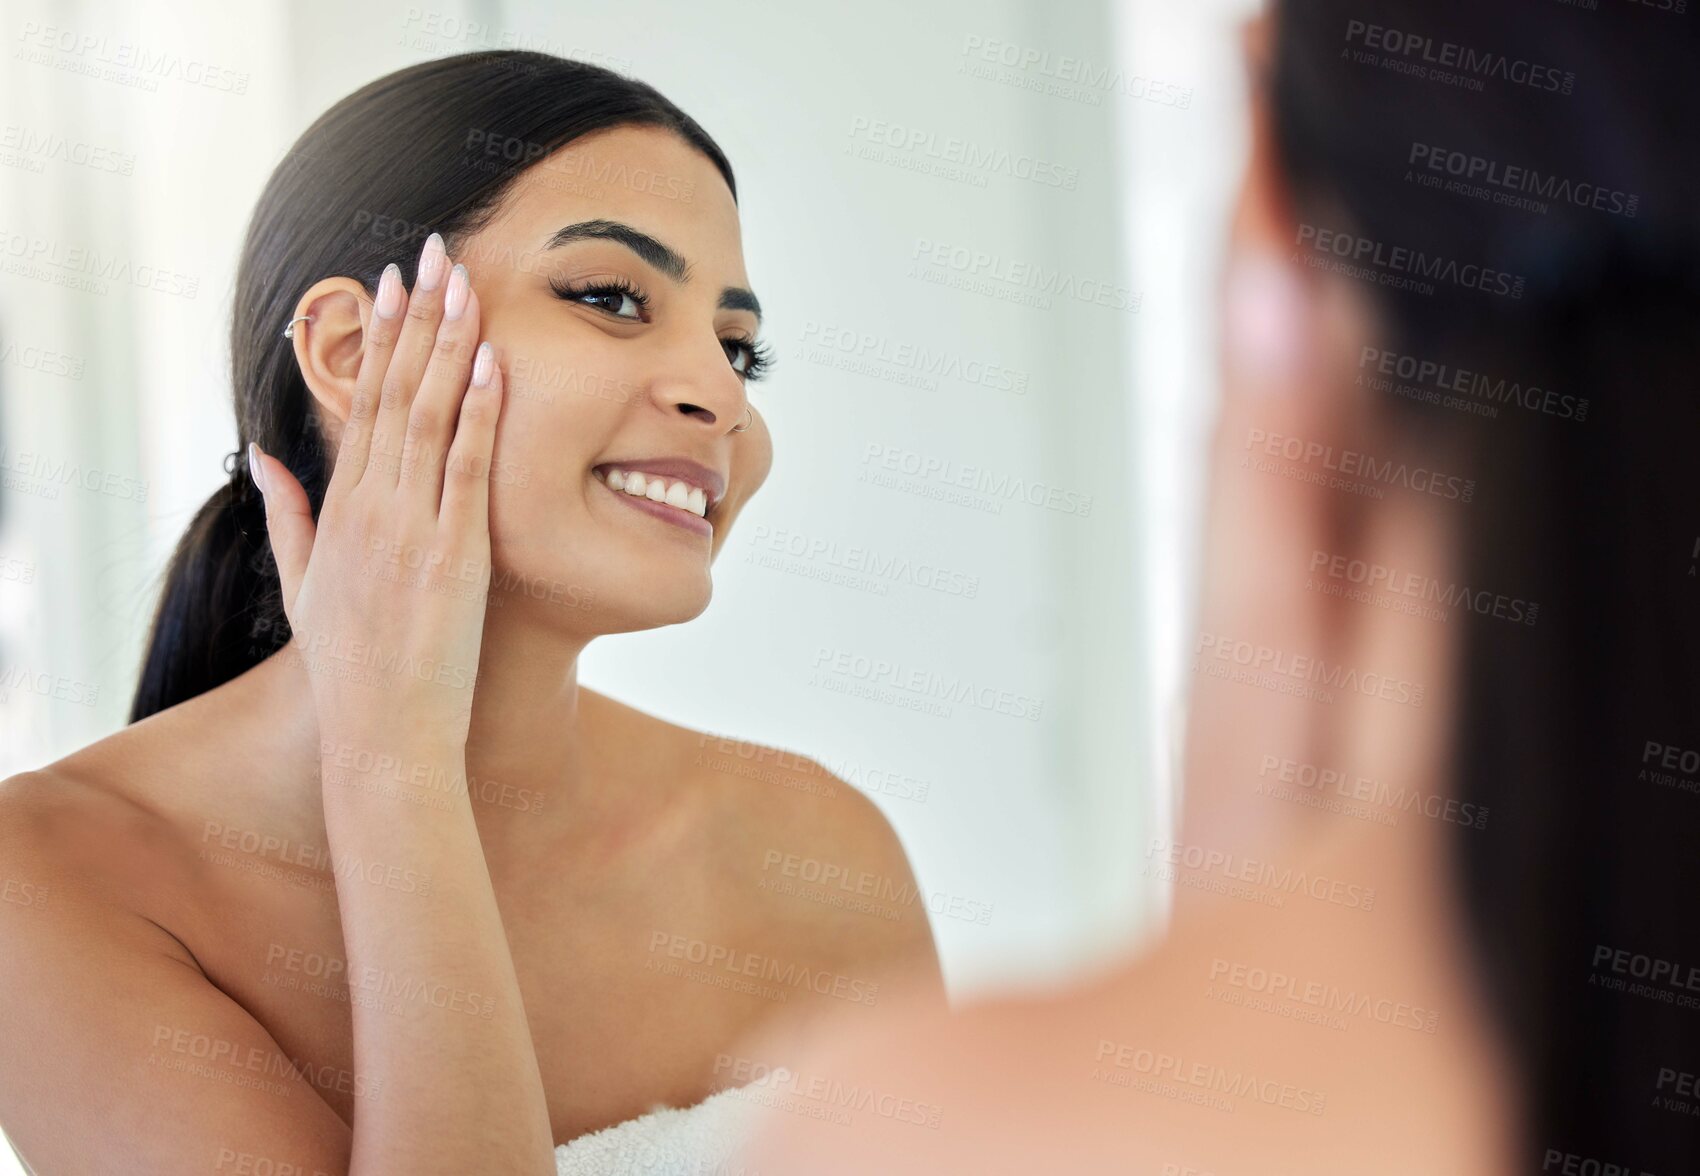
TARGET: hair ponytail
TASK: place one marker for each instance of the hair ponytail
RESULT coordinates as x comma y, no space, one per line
221,610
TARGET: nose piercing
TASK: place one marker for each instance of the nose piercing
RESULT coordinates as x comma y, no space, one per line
289,331
749,419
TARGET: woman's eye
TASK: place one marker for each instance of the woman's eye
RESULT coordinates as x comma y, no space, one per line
749,359
615,302
614,298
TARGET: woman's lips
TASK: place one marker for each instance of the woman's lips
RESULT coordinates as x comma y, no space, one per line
678,516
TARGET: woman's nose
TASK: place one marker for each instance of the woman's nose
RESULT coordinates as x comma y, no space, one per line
704,387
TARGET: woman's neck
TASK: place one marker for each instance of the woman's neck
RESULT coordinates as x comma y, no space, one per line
524,756
524,731
1365,817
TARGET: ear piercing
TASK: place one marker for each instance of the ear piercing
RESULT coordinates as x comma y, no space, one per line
289,331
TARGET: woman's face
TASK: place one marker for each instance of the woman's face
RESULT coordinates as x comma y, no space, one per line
611,284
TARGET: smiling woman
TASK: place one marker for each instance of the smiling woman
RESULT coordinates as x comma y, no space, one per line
604,286
370,883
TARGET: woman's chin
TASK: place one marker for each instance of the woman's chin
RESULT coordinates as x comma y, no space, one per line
606,591
631,610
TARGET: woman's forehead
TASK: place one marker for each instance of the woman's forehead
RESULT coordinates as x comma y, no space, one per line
645,177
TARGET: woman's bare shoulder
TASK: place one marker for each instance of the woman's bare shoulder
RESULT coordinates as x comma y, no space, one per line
809,865
112,812
1152,1063
61,829
786,786
83,796
99,988
765,794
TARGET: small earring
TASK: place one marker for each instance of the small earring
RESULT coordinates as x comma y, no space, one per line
289,331
749,419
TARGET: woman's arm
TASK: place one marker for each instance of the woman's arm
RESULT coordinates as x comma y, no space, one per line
393,668
117,1054
461,1087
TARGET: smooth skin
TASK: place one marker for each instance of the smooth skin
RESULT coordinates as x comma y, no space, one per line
404,897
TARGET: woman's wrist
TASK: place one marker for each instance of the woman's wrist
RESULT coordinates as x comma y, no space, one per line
424,772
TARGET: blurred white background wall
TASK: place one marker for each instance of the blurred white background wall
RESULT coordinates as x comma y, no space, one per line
986,235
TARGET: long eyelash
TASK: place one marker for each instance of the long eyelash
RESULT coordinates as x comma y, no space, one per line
761,358
571,292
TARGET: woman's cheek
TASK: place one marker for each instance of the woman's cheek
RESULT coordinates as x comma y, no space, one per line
762,462
520,489
751,465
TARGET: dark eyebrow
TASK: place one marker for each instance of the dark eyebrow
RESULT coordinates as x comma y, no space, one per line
738,298
669,261
654,252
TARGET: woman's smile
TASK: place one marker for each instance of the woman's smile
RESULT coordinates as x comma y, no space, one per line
675,490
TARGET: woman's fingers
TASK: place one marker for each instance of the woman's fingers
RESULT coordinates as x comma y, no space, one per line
465,512
436,406
289,521
407,363
383,327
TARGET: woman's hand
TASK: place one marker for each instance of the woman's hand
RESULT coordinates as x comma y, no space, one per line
386,595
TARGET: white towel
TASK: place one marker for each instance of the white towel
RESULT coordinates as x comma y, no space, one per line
702,1140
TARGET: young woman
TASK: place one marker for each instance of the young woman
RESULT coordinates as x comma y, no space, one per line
1435,874
371,884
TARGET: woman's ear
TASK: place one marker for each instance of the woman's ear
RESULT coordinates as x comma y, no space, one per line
328,346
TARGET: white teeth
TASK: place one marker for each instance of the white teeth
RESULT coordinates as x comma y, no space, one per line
681,495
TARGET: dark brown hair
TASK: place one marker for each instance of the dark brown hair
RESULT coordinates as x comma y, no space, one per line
1567,166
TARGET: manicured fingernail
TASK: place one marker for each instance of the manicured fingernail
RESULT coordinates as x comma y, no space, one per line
454,302
388,301
483,365
256,471
431,260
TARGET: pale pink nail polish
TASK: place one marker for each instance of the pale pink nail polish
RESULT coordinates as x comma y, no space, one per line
388,301
483,365
256,471
454,301
431,260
